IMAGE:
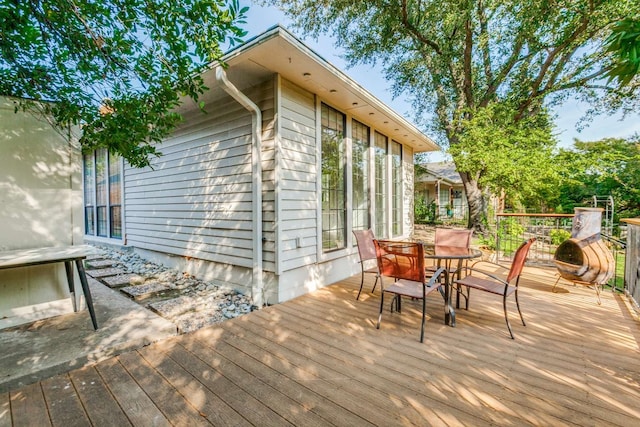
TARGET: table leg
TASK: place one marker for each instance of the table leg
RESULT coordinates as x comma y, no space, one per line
69,270
87,292
449,312
459,273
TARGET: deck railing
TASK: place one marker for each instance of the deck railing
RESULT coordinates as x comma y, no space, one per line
550,230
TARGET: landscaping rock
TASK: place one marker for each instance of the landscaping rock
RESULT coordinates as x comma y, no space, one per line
185,300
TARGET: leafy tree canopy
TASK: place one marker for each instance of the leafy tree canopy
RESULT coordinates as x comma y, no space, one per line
455,59
624,43
508,157
115,67
606,167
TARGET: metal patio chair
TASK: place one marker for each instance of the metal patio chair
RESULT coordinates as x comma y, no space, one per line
458,238
367,253
404,263
489,282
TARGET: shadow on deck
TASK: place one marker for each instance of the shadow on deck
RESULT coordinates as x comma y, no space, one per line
318,360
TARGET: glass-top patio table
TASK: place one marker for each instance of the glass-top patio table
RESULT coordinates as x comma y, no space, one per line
447,255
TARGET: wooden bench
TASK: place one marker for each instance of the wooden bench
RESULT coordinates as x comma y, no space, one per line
65,254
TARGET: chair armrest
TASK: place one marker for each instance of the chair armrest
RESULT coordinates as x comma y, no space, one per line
432,281
492,276
494,264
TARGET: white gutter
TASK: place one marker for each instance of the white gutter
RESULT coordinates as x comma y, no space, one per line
257,288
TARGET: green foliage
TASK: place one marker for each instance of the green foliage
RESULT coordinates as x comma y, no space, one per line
513,157
488,241
606,167
455,59
558,236
424,213
118,68
510,233
624,43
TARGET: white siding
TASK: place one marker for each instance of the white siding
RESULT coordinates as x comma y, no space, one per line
195,200
298,199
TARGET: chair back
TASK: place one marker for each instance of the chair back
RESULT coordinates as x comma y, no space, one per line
453,237
401,260
366,248
519,259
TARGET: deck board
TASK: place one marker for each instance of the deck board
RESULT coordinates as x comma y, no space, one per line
63,403
248,406
319,360
173,405
194,392
28,407
102,409
129,395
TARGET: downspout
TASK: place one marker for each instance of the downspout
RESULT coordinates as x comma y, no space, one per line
257,288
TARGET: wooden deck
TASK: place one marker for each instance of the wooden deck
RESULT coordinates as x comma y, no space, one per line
318,360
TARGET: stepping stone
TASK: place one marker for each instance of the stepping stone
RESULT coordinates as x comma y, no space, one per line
140,292
174,307
105,272
122,280
102,263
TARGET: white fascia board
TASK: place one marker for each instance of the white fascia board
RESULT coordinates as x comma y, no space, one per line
278,64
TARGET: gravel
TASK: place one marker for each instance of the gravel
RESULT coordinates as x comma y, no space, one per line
182,298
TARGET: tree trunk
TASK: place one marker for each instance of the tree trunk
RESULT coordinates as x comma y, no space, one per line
477,204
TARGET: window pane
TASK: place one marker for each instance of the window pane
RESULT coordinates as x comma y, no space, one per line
333,179
116,221
114,180
89,221
101,191
115,196
396,209
89,195
360,175
380,184
102,220
101,177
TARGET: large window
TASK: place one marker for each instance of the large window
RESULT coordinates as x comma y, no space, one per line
334,209
396,198
360,175
381,185
102,194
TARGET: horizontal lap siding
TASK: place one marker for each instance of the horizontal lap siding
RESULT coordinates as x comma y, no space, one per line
298,177
264,97
195,200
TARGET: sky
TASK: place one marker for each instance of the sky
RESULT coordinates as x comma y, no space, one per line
261,18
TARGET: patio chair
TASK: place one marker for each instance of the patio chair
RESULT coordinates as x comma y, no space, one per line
367,253
404,263
458,238
489,282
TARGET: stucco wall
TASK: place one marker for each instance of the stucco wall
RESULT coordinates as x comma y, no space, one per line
40,205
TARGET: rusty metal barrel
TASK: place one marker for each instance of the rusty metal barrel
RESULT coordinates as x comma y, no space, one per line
585,257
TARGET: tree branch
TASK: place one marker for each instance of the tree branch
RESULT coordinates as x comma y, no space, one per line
467,65
415,32
504,72
484,35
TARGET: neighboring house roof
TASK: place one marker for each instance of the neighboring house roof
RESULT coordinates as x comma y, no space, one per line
278,51
443,171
